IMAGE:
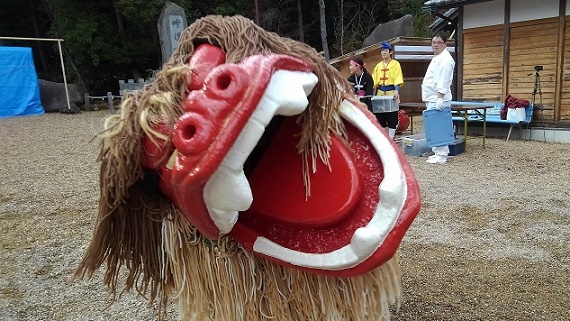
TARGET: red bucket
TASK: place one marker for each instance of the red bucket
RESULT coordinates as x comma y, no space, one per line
403,121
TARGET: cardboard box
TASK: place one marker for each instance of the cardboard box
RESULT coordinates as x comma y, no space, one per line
384,104
415,145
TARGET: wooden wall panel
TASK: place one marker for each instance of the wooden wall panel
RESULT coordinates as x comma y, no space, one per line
565,93
534,44
483,64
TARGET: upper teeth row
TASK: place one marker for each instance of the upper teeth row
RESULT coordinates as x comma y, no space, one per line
227,191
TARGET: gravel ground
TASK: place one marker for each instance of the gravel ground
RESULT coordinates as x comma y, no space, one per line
490,243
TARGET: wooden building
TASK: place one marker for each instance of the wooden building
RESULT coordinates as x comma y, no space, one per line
414,55
516,47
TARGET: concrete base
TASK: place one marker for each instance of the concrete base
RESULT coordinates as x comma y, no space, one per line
555,135
551,135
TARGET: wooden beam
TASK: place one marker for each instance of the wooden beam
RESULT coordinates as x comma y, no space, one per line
506,47
560,60
536,23
459,52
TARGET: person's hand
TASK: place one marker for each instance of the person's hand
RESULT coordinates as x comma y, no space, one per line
439,104
396,95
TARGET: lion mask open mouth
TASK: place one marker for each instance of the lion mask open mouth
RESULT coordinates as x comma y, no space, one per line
234,169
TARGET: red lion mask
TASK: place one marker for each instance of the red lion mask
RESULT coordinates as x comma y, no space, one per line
267,150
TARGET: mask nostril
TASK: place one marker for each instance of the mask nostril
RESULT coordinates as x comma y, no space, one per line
223,81
188,131
190,135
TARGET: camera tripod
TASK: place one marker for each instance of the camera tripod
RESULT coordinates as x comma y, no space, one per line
537,90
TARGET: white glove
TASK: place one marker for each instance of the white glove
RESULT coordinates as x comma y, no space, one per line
439,104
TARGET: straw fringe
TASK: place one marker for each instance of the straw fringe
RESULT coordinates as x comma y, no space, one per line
222,282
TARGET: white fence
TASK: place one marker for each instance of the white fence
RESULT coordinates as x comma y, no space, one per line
123,86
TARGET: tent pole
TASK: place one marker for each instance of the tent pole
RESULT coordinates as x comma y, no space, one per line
64,79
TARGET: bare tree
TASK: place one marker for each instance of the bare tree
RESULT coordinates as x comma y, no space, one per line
52,11
324,29
300,21
122,35
32,5
354,23
341,18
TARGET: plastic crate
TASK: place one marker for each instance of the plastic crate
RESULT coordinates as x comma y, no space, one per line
384,104
415,145
457,146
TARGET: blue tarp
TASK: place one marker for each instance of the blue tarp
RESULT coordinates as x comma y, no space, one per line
19,88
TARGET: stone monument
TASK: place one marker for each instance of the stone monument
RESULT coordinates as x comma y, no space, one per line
171,23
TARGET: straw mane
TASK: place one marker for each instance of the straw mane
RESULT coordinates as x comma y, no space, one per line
141,237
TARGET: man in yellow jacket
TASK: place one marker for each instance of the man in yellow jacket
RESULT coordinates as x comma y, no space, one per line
388,80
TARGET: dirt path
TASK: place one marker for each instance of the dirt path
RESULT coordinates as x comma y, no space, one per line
491,241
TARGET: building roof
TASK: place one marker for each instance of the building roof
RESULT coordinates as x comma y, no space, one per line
435,5
444,20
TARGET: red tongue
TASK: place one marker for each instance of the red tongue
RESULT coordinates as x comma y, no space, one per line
277,182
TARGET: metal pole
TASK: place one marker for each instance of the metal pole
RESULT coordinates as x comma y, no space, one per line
63,70
87,103
37,39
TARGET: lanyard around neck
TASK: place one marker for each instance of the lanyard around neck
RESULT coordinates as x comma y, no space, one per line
358,80
358,86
